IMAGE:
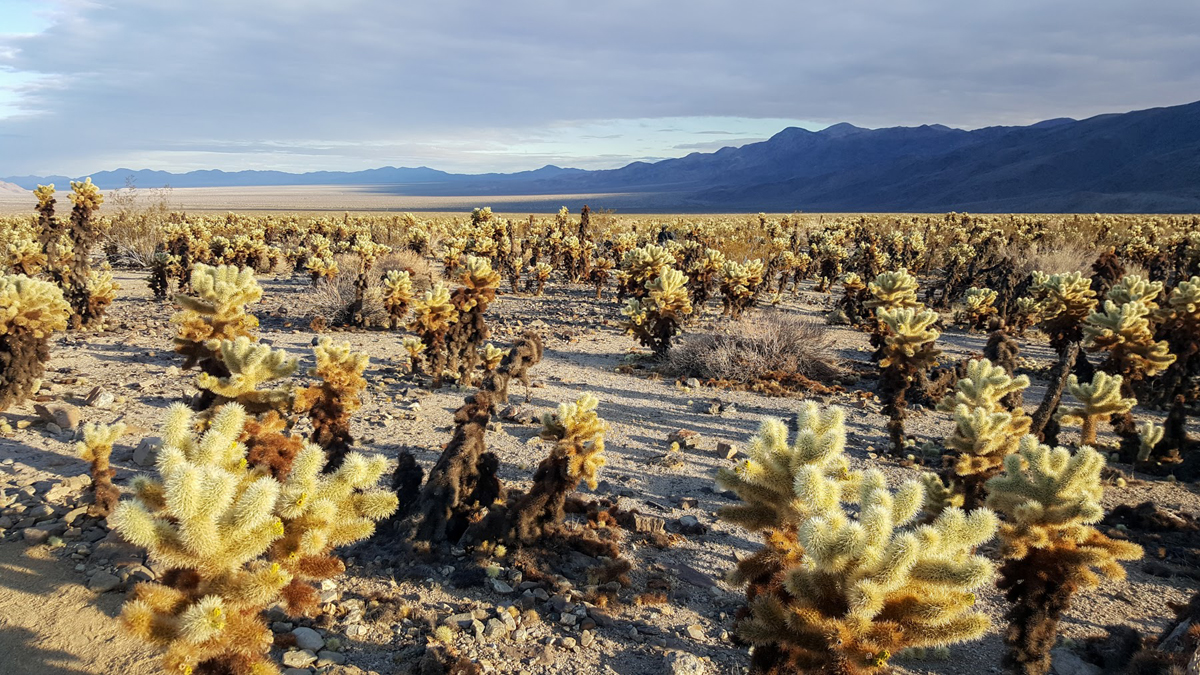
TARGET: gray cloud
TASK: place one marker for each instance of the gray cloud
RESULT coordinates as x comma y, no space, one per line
465,85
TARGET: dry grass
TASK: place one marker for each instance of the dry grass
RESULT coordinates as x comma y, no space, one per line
1057,259
332,299
423,272
773,346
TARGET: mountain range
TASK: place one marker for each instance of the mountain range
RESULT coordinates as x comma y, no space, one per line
1145,161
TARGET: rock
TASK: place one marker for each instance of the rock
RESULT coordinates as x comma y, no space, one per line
102,582
356,630
695,632
692,525
647,524
328,658
297,671
99,397
307,638
693,382
586,638
682,663
726,450
688,502
1065,662
34,536
65,415
298,658
686,438
501,587
495,629
146,452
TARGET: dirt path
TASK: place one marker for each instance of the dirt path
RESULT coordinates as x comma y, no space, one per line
50,624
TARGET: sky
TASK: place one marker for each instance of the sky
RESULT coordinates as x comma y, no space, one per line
476,86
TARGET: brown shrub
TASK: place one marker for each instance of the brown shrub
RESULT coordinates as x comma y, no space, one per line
423,273
334,299
774,347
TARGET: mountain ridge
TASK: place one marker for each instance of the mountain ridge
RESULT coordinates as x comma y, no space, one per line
1143,161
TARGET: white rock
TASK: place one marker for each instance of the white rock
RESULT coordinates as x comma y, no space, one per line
307,638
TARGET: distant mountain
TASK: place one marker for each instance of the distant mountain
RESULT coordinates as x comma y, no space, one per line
1142,161
10,189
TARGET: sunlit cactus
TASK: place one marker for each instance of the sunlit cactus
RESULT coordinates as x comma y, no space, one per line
892,290
1098,401
978,306
30,311
492,356
840,590
432,316
1050,500
216,311
1063,303
641,266
84,232
250,365
1179,325
740,286
656,317
541,273
330,404
1149,436
908,350
96,449
398,295
236,541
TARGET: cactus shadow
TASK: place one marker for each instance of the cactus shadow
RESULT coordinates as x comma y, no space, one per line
21,645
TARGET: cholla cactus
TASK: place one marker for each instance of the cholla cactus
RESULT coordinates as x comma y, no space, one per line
25,256
492,356
578,453
985,431
641,266
1098,402
216,312
702,275
908,351
740,286
163,268
541,273
656,318
1050,500
30,310
467,335
96,448
892,290
415,350
84,232
236,541
322,267
1064,301
1179,325
1149,436
398,295
1133,288
599,274
368,251
102,290
331,404
249,365
433,314
1124,332
838,590
978,306
1024,315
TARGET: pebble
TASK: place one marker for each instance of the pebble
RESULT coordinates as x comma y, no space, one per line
696,632
307,638
146,451
298,658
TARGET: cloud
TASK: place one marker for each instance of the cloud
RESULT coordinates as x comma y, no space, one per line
708,146
310,84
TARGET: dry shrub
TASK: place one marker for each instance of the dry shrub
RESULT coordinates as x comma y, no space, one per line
775,347
137,222
1059,258
423,273
334,299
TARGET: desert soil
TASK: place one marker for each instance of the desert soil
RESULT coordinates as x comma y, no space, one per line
54,620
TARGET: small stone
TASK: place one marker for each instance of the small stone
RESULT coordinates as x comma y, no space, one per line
682,663
146,452
65,415
686,438
34,536
356,630
328,658
692,525
695,632
1065,662
693,382
102,582
495,629
586,638
307,638
726,450
298,658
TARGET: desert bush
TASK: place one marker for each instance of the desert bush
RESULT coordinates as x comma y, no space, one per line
30,310
775,347
846,577
348,298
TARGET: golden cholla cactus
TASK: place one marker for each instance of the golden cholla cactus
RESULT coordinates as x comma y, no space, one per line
237,541
84,194
1133,288
331,404
25,256
1064,301
656,318
466,337
740,284
893,290
907,351
837,589
492,356
44,195
578,453
398,295
642,265
322,267
30,310
1149,436
978,306
216,311
1098,402
368,251
541,272
96,449
432,315
102,290
250,365
985,431
1124,332
414,348
480,280
1050,500
765,480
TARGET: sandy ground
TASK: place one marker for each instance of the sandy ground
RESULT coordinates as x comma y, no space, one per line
50,622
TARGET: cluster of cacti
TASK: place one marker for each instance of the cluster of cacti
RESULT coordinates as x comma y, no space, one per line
847,577
1050,500
978,307
236,540
1064,302
1179,326
639,267
656,317
215,312
330,404
30,310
